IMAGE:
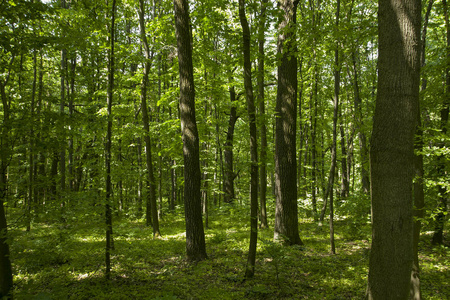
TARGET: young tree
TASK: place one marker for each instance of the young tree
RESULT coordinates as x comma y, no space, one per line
250,271
195,236
286,219
110,93
262,112
6,277
392,149
152,210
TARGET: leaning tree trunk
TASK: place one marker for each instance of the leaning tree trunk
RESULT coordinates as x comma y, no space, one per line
195,236
250,271
392,149
286,217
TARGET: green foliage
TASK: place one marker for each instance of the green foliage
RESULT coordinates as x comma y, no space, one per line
66,262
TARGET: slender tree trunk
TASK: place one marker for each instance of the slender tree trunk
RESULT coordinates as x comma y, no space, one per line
62,153
438,235
6,277
286,211
110,93
228,180
419,197
151,195
195,236
337,81
262,111
31,149
392,149
365,180
250,269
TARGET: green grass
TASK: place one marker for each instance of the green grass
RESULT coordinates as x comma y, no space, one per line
55,261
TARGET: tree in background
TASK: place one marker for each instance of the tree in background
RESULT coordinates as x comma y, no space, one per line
392,149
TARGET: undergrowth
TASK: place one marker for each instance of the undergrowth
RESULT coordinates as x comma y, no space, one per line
66,261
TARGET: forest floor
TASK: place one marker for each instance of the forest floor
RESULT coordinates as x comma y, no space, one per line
66,260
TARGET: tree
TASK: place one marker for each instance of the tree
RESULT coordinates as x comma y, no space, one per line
262,112
286,219
392,149
152,210
6,277
110,93
195,236
250,271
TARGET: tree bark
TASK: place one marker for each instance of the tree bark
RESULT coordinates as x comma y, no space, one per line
286,218
195,236
392,149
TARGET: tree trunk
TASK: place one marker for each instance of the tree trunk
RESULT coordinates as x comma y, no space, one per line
286,216
6,277
108,215
337,80
250,269
419,197
365,180
392,149
151,195
263,130
195,236
228,180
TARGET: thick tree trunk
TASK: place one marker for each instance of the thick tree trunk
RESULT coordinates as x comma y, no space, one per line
286,217
152,210
195,236
250,270
392,149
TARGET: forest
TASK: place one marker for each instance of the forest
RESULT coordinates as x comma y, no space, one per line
226,149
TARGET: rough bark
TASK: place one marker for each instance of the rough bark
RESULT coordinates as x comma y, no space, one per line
286,219
392,149
195,236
